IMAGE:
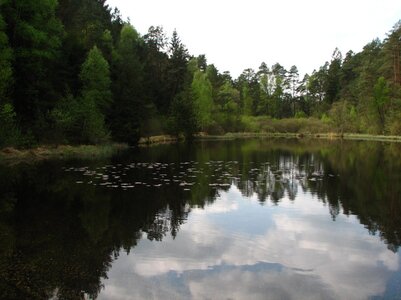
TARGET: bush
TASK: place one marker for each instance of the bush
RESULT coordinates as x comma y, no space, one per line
300,115
78,121
215,129
265,124
393,126
250,124
343,116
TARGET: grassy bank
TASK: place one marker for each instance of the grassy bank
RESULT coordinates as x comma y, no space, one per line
263,126
12,155
347,136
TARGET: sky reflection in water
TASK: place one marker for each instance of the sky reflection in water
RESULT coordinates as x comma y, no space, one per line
237,249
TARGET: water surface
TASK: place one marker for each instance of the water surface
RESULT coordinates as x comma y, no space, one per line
249,219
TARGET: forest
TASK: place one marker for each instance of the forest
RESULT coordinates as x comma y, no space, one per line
75,72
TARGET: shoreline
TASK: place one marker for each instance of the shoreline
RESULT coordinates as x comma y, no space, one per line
45,152
329,136
158,140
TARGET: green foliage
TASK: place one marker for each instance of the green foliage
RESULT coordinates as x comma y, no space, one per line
156,69
129,106
342,116
95,77
93,124
9,132
78,121
325,119
316,83
177,71
381,99
35,35
302,125
248,101
250,124
203,102
291,125
96,97
5,62
183,116
106,45
228,108
65,117
394,124
86,23
332,84
300,115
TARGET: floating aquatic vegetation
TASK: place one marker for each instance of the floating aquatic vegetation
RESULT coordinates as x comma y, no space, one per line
264,177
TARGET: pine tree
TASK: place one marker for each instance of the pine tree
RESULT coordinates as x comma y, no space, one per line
96,96
129,105
333,78
95,78
178,66
35,36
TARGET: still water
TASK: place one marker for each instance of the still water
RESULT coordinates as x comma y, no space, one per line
249,219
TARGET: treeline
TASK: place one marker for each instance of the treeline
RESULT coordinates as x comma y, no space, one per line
72,71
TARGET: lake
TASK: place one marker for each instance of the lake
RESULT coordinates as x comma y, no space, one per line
240,219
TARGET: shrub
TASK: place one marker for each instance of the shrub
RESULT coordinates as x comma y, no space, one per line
393,126
300,115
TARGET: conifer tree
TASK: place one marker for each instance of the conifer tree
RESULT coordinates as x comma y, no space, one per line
96,96
129,105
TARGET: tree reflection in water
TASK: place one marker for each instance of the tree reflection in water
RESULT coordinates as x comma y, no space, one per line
62,224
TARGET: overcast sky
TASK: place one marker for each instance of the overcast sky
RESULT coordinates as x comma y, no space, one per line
236,35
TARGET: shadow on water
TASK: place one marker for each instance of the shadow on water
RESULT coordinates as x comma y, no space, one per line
62,224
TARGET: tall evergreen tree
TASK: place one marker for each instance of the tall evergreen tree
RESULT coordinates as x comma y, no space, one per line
178,66
266,82
95,77
293,78
333,78
392,55
35,35
215,79
85,23
183,115
96,96
348,77
129,106
155,70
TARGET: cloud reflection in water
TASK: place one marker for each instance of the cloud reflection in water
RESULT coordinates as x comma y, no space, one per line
290,251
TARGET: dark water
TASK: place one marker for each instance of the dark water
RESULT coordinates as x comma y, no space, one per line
250,219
